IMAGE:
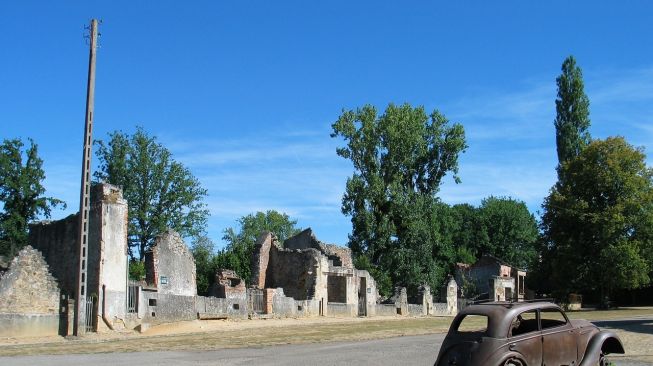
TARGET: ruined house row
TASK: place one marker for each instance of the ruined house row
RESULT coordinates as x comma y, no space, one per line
301,278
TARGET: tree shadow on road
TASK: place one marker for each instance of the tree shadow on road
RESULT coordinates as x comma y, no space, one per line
644,326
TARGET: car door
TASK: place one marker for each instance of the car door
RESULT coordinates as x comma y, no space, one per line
525,337
558,339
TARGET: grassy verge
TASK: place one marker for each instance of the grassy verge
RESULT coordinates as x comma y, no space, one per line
234,338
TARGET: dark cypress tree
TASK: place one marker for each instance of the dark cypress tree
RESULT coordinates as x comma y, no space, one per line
572,112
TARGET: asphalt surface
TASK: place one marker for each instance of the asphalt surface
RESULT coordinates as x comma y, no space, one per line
414,350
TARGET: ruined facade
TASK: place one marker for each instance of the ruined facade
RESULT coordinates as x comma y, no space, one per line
170,266
491,276
107,253
322,275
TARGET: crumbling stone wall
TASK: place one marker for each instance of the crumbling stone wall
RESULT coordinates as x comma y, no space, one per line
170,266
227,284
261,259
294,271
29,297
341,256
28,287
57,241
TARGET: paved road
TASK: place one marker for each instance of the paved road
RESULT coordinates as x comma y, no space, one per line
420,350
417,350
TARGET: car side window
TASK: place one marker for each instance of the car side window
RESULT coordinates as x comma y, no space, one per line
552,318
523,323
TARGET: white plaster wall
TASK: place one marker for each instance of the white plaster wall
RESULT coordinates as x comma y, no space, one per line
113,256
114,246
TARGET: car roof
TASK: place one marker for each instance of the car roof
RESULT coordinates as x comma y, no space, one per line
501,313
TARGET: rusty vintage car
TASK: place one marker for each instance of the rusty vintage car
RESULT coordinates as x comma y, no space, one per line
524,334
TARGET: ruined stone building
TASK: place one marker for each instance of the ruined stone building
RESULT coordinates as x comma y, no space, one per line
36,289
320,276
491,276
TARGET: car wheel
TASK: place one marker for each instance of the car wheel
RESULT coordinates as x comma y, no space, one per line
513,362
603,361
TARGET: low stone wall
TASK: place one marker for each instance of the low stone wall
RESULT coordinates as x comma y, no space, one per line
441,309
335,309
29,325
386,310
231,307
155,308
287,307
415,310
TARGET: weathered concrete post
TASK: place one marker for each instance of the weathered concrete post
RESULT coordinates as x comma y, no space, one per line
424,293
84,198
452,297
401,300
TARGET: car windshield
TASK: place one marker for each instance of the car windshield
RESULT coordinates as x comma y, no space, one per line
473,323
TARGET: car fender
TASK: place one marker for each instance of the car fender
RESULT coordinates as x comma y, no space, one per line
601,341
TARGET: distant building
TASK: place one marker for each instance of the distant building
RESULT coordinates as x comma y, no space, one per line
492,278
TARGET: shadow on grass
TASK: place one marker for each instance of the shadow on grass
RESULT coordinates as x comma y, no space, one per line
644,326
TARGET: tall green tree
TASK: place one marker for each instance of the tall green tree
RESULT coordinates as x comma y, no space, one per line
508,231
399,160
598,220
572,112
237,254
161,192
21,194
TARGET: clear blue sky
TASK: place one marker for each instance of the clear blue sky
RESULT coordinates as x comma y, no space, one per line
244,92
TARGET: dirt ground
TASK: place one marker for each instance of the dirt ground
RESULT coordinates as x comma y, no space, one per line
633,325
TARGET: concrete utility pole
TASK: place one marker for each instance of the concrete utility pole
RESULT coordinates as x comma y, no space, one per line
84,197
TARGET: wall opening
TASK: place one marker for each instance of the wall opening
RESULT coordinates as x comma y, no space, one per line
337,289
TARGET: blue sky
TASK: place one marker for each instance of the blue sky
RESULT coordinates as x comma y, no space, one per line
244,92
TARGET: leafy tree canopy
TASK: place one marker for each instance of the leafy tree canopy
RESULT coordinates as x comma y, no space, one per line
508,231
21,194
399,160
598,220
161,192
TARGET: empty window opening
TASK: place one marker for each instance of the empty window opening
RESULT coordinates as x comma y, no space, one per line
236,306
337,289
151,302
336,260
